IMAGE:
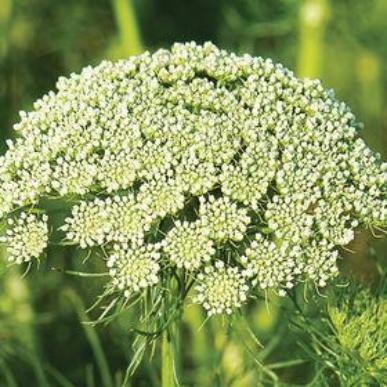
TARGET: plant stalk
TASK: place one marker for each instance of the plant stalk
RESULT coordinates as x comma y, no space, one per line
170,354
129,33
313,17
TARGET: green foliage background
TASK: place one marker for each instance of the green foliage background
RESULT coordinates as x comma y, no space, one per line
318,343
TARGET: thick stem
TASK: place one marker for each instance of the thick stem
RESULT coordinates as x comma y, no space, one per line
312,22
170,354
129,33
167,378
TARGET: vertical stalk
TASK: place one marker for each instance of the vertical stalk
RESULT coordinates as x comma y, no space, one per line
170,354
167,379
312,21
129,34
6,10
369,73
5,19
202,357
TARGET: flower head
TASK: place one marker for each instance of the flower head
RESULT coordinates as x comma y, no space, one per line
26,237
133,268
188,245
89,224
223,218
162,197
197,149
271,265
221,289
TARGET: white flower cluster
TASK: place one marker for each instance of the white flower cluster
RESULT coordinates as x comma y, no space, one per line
203,148
320,263
221,289
117,219
188,245
133,268
288,217
198,177
26,237
248,180
334,222
273,265
162,197
117,170
223,219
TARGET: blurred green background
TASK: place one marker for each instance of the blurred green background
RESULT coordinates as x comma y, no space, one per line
42,340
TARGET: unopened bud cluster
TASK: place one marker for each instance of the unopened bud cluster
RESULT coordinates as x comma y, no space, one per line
225,167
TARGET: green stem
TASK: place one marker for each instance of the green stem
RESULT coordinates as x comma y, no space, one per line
170,354
369,74
129,33
167,378
5,21
312,22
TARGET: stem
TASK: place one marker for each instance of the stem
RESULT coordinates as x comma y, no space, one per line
5,21
312,22
167,378
194,318
129,33
369,74
170,355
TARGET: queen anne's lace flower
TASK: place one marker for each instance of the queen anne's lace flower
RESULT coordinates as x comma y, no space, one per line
334,221
221,289
321,258
26,237
248,180
120,219
198,177
162,197
288,217
134,268
222,218
90,223
72,176
117,170
130,219
272,265
231,144
188,245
